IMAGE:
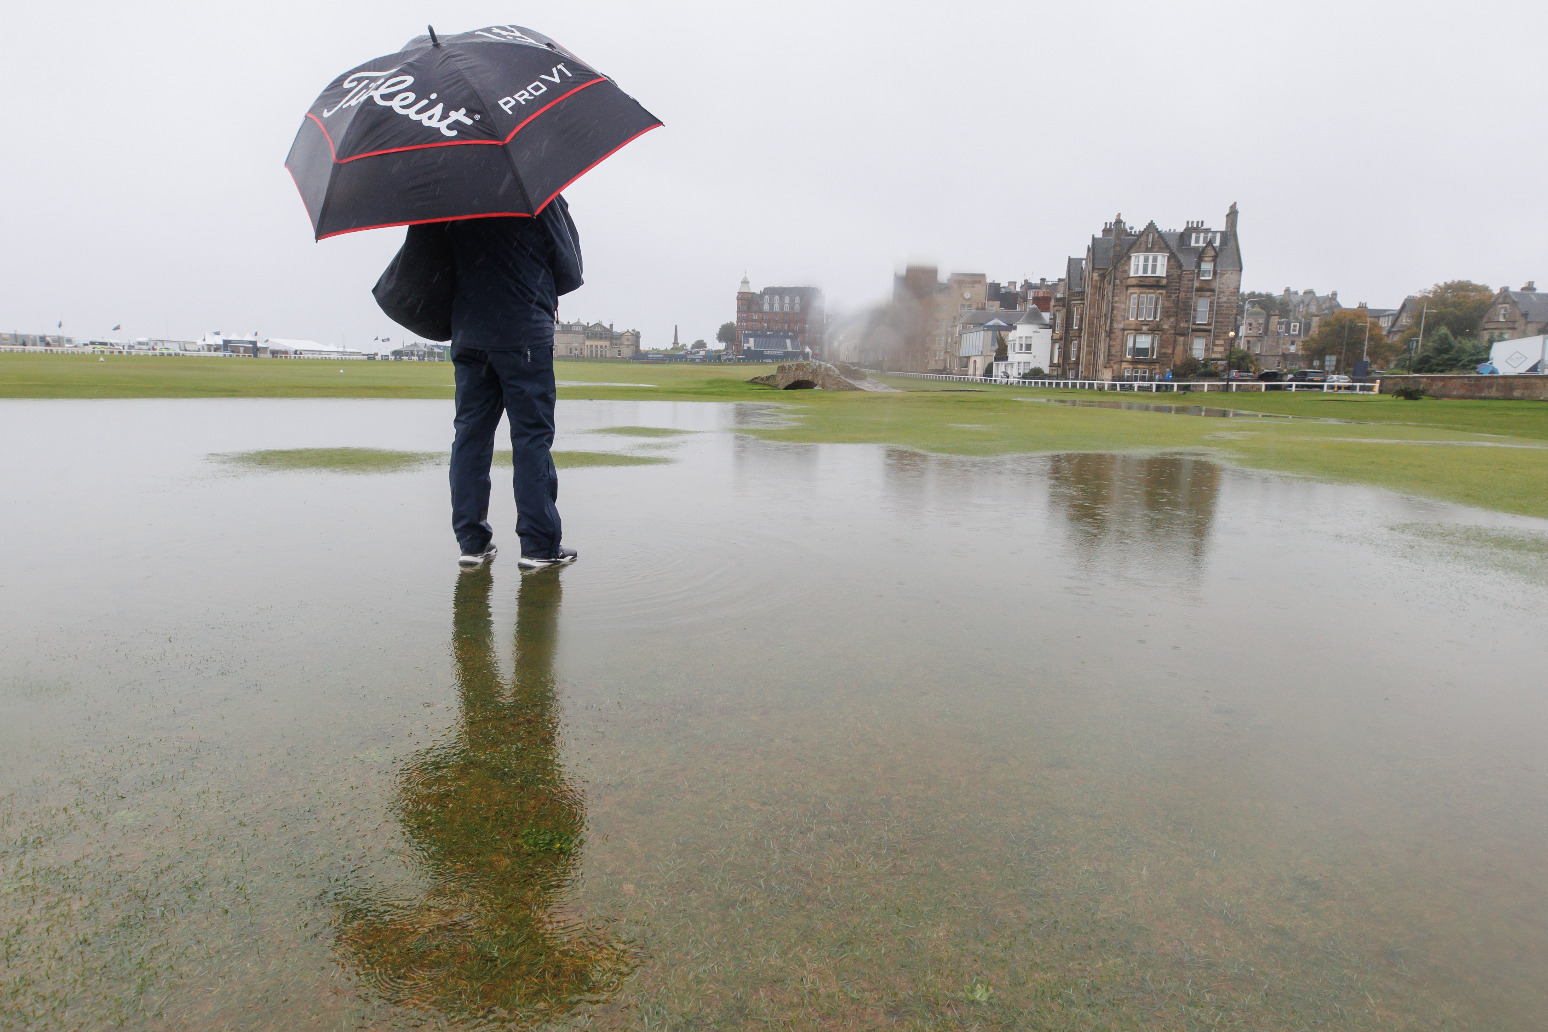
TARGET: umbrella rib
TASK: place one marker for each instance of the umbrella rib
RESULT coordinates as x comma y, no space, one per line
594,164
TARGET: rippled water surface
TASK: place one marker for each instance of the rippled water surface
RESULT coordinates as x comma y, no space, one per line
812,736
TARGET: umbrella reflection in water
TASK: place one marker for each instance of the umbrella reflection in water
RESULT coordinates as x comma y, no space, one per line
497,829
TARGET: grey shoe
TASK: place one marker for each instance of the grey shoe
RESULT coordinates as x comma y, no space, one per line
473,560
565,557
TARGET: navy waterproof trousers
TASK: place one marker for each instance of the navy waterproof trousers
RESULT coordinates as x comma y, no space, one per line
519,383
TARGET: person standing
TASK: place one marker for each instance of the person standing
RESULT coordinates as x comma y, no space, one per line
510,274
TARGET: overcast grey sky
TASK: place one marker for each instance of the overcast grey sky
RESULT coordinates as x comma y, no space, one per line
1374,148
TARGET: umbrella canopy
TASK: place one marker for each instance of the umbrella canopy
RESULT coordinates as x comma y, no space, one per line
491,122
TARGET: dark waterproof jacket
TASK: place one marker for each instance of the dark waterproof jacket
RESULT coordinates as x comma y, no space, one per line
491,283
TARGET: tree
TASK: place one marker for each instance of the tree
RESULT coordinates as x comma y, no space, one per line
727,334
1444,353
1186,368
1273,304
1342,335
1240,358
1457,305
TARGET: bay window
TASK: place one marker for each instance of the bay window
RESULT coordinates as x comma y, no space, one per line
1147,265
1139,345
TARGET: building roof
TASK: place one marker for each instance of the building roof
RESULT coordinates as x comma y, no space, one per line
1533,305
1032,317
1227,254
1075,274
976,318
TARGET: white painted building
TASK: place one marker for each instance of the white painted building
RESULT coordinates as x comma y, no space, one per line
1029,346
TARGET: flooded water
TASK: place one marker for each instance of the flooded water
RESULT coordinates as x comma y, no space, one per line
811,736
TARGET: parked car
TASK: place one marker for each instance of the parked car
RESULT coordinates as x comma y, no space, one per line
1339,378
1308,376
1239,374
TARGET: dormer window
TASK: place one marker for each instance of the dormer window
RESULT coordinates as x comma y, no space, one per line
1207,269
1147,265
1503,315
1198,239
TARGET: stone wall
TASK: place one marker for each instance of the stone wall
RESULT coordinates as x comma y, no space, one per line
1526,387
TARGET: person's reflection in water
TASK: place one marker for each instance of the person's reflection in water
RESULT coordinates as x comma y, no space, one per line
497,830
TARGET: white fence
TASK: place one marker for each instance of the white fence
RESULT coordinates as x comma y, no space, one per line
1151,386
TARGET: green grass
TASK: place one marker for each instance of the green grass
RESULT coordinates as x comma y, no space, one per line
378,460
328,460
641,431
1449,450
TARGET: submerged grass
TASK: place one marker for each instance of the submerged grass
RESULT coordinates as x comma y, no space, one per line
1393,445
642,431
379,460
1519,553
328,460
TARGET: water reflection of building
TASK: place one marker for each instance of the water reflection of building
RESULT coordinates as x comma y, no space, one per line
1141,506
496,827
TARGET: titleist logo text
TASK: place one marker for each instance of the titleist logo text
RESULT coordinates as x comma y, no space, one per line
388,90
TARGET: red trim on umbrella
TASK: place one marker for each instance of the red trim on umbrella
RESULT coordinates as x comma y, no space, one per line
331,148
451,143
421,222
599,161
550,104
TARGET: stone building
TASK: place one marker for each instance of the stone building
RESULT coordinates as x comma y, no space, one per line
779,313
1149,298
1273,332
927,315
1068,308
594,340
1514,314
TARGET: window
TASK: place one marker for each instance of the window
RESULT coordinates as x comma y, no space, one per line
1057,350
1503,315
1201,311
1147,265
1075,318
765,304
1207,269
798,302
1059,321
1144,307
1139,345
1199,345
1198,239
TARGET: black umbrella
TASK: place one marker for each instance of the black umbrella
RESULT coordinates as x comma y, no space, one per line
491,122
